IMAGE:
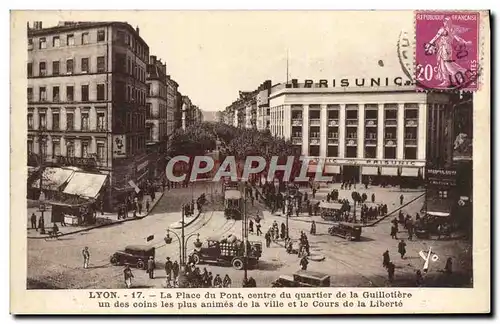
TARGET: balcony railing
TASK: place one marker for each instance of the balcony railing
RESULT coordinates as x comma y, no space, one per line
370,142
352,122
297,122
410,142
297,140
351,142
315,122
333,141
371,123
390,142
391,122
333,122
314,140
411,122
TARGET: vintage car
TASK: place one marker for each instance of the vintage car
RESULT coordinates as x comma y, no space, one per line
227,251
303,278
133,255
351,232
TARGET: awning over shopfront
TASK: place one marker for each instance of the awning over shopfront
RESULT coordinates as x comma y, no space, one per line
53,178
312,168
369,170
387,171
332,169
85,184
409,172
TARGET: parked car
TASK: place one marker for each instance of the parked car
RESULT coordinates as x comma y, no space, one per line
351,232
133,255
303,278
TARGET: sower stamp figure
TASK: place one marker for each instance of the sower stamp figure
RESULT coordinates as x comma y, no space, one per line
86,257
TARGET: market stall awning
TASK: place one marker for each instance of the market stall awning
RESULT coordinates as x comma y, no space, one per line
85,184
369,170
409,172
388,171
328,205
332,169
232,194
312,168
53,178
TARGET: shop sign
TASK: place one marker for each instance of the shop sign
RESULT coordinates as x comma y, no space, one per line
371,162
441,177
119,146
142,165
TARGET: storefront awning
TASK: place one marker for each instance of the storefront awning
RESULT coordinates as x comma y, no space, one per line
332,169
409,172
53,178
387,171
85,184
369,170
328,205
312,168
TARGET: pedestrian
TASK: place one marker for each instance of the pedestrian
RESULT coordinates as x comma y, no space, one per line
448,267
251,282
175,270
419,279
210,280
304,262
401,198
373,198
314,192
163,183
402,248
153,195
86,257
257,222
147,206
313,228
151,267
33,222
168,270
217,281
250,226
268,238
55,229
226,283
283,231
139,208
128,275
390,271
386,259
394,232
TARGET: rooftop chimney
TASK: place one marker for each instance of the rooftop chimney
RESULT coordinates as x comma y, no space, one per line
137,30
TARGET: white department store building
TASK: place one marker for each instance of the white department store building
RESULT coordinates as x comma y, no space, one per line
359,132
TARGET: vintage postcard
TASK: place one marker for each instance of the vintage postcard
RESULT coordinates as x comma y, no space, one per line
250,162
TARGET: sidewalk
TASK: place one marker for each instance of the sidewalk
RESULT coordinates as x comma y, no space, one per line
102,220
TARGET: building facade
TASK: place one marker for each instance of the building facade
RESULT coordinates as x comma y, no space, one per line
86,99
172,89
363,134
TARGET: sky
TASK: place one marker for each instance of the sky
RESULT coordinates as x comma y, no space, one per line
214,54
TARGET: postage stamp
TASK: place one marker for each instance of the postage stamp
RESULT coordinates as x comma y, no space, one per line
447,50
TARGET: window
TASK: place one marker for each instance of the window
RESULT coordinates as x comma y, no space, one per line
69,66
43,121
55,68
101,64
55,121
55,94
85,121
85,93
30,147
443,194
120,64
85,38
70,93
30,94
389,152
101,93
30,70
70,121
101,121
70,149
30,121
410,153
56,149
70,40
56,41
42,94
43,43
85,149
43,147
351,152
30,43
85,65
120,36
101,153
351,114
148,111
332,151
101,36
42,69
370,152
